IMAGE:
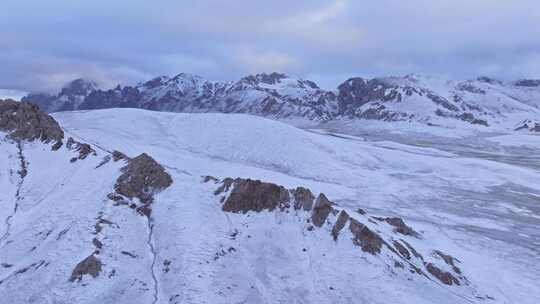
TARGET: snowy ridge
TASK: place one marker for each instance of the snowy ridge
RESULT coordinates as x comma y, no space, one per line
95,225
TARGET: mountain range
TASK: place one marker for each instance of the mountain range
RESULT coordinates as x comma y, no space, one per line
480,103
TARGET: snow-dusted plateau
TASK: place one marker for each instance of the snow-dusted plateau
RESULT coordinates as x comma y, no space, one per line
396,190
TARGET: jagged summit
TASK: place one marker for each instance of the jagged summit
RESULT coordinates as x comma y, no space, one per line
80,87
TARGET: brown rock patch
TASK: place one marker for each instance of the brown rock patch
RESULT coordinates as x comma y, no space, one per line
323,208
254,195
368,240
303,199
25,121
141,178
91,265
444,276
340,223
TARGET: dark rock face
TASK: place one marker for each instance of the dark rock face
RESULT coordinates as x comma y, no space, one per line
444,276
117,155
323,208
83,149
303,199
400,226
343,218
528,83
24,121
368,240
355,92
127,97
69,98
141,178
466,116
272,78
529,125
448,259
402,250
489,80
91,265
253,195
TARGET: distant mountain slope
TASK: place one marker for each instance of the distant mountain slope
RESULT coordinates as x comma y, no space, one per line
482,102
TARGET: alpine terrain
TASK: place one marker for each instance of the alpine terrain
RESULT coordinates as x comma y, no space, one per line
117,205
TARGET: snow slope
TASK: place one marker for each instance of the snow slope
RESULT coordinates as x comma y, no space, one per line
189,250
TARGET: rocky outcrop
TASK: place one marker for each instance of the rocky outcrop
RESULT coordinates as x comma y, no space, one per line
82,148
25,121
253,195
342,220
90,265
444,276
400,226
368,240
449,260
528,125
141,178
245,195
321,211
531,83
303,199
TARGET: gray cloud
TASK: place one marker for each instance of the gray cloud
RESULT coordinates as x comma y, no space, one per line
44,44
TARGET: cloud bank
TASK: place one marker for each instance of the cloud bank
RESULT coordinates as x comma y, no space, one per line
44,44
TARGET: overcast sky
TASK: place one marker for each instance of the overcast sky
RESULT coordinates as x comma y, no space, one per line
44,44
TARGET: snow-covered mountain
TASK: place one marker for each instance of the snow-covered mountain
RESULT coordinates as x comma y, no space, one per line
70,97
483,102
134,206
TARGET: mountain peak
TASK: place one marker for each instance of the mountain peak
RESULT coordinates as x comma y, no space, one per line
79,86
272,78
489,80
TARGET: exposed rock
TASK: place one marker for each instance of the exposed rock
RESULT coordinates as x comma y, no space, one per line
97,243
400,226
225,186
69,98
209,178
117,155
244,195
368,240
129,254
340,223
466,116
444,276
402,250
142,177
528,83
25,121
91,265
448,259
254,195
303,199
323,208
83,149
529,125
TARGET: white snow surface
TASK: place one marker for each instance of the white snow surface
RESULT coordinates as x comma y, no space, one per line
481,209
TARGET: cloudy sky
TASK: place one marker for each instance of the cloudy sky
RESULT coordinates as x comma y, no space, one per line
44,44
